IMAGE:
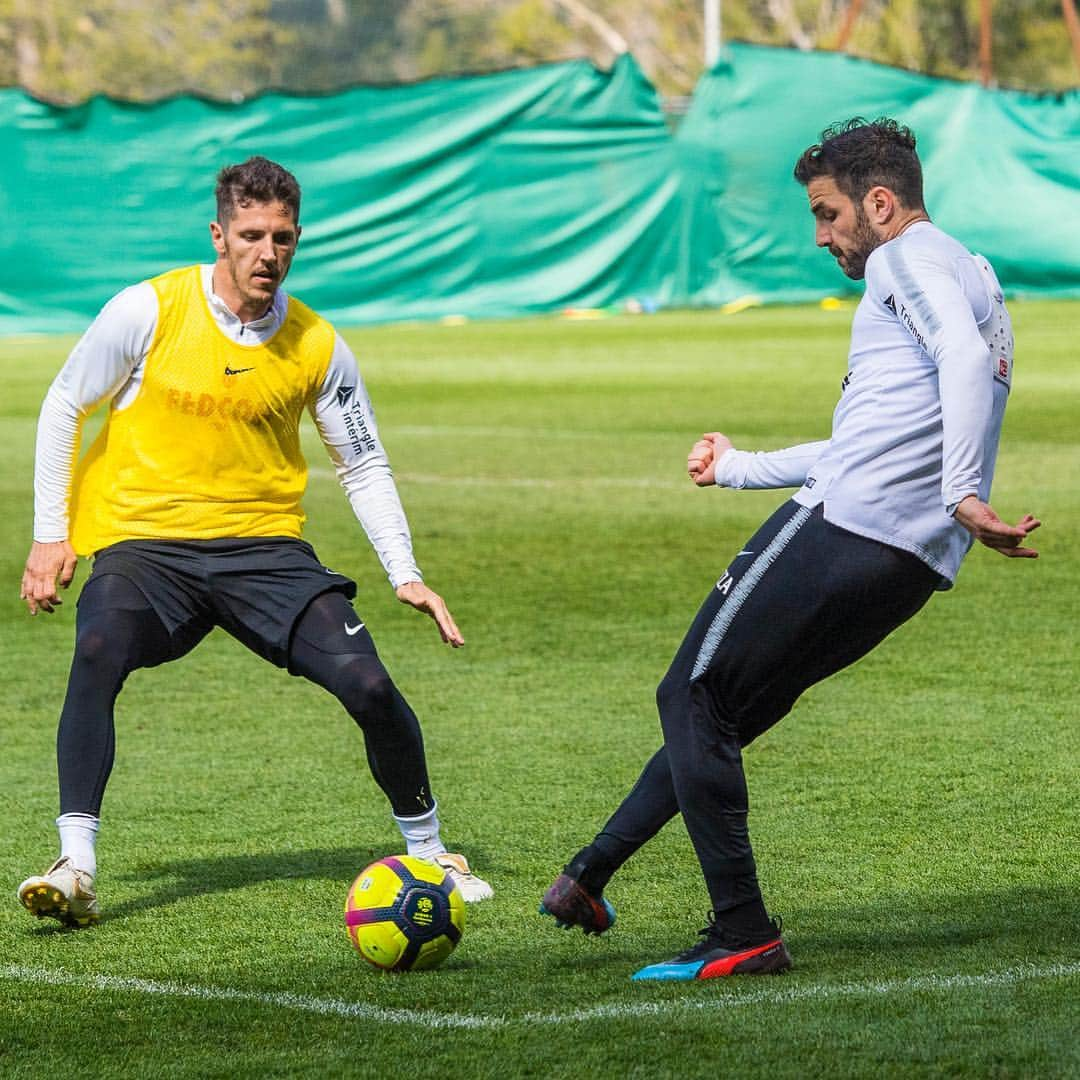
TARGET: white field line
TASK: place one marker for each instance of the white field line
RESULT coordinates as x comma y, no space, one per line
528,435
352,1010
725,998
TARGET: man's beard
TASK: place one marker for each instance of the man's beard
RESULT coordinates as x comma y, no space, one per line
864,241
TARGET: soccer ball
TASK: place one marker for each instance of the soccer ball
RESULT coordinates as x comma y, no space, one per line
404,914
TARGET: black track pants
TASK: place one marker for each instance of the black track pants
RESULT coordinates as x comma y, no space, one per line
118,631
801,601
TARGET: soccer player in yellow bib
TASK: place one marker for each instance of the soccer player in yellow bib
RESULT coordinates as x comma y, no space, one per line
189,503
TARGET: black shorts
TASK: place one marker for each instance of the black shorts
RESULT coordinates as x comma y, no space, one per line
254,588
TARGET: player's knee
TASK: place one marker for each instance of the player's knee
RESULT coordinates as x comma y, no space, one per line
693,706
365,689
672,691
108,645
97,648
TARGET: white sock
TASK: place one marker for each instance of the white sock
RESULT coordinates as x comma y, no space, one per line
78,833
422,834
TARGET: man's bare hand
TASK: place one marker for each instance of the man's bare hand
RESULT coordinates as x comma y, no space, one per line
419,596
49,567
980,520
703,456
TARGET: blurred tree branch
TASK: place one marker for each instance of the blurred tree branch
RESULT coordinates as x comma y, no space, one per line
231,49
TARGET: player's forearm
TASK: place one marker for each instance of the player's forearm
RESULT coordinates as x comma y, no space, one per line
57,448
768,469
346,422
373,495
967,411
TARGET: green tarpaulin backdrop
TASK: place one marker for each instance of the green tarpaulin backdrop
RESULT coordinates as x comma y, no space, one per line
525,191
1001,170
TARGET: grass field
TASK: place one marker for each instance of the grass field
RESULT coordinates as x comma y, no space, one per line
915,818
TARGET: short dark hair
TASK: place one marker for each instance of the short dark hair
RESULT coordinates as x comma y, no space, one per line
257,180
860,154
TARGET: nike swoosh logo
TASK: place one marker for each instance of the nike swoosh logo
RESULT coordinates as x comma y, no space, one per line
745,551
237,371
350,630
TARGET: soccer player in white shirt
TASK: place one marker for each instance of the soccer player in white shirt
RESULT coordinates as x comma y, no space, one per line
886,509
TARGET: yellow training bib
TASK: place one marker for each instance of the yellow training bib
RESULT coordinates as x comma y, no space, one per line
210,447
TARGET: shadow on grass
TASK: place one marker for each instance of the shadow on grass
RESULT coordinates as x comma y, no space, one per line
1012,924
901,932
167,883
170,882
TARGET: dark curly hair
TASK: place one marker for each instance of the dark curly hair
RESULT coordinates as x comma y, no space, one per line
257,180
860,154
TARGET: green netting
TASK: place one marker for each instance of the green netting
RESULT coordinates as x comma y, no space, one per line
489,196
524,191
1002,172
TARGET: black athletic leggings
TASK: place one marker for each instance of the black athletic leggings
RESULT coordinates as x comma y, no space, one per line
119,632
803,600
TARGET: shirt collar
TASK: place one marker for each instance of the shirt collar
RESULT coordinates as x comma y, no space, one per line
273,318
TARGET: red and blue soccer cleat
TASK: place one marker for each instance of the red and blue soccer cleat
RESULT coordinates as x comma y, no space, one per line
718,953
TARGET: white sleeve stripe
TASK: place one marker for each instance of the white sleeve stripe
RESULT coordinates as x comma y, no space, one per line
894,256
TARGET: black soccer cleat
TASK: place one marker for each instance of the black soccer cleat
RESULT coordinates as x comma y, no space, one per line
571,904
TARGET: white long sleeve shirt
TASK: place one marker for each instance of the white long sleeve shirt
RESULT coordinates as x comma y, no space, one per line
918,422
107,364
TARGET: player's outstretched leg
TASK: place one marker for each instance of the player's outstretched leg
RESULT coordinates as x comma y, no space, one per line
723,952
576,896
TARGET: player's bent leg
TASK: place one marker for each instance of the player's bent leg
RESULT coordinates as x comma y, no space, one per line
117,632
333,649
703,744
813,599
576,897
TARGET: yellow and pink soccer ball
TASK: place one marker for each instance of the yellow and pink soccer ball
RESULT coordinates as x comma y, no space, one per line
404,914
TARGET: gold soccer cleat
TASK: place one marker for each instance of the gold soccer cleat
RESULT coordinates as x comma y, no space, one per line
62,893
472,888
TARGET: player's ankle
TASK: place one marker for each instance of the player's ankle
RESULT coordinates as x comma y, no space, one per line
78,837
746,924
421,834
590,870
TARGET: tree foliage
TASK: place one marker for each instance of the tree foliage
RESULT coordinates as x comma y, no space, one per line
141,49
231,49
